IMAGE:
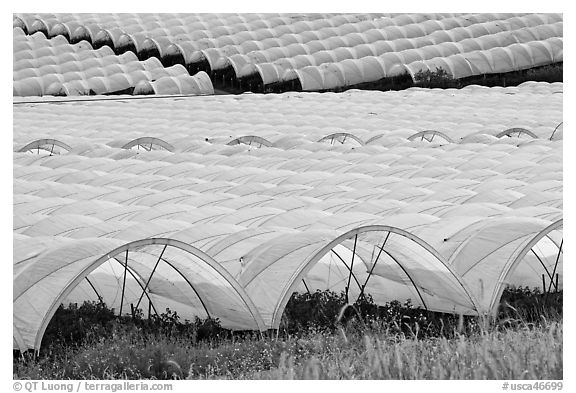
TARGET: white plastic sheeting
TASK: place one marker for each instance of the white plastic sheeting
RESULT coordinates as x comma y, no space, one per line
385,40
373,33
441,223
452,57
74,70
300,120
182,277
497,60
199,84
323,52
213,29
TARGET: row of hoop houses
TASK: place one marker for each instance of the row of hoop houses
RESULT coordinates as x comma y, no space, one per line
55,67
319,52
231,231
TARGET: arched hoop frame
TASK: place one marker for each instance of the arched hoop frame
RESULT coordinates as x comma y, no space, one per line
556,129
511,131
429,135
46,145
341,137
299,274
375,137
250,140
511,267
205,258
148,143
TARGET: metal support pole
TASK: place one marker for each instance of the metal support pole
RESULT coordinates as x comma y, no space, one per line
95,291
409,277
124,283
351,266
347,267
191,286
140,284
556,282
151,274
556,263
373,266
543,264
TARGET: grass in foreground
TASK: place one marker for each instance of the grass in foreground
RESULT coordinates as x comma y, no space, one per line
523,353
406,346
520,354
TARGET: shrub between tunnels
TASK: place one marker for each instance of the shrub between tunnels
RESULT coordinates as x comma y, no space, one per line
74,325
